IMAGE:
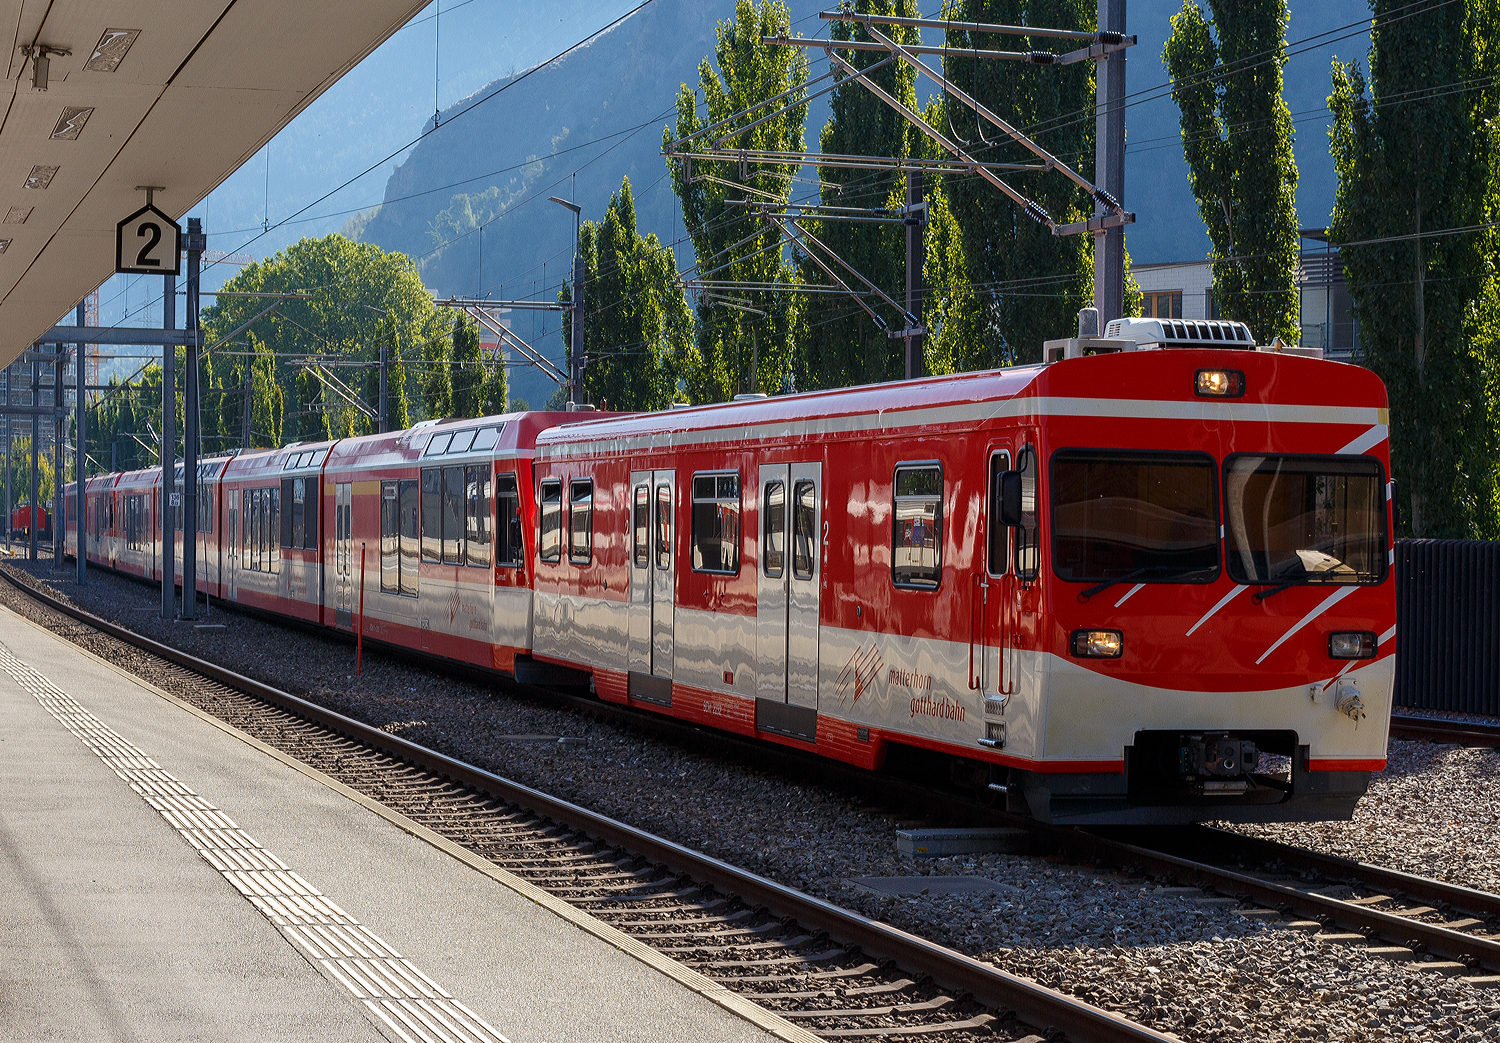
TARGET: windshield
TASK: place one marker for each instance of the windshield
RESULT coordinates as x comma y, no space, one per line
1304,519
1146,516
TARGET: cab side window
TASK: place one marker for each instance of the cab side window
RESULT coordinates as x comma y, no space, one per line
509,547
917,526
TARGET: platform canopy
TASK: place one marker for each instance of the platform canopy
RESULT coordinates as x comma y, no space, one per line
152,93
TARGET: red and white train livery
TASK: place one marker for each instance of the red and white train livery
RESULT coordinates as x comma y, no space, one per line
1133,586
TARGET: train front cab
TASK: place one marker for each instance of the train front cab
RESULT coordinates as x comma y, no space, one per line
1200,583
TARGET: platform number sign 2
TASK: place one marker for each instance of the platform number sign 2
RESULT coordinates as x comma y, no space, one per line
148,242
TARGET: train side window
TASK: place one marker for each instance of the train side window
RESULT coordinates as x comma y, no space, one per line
581,521
917,527
804,530
311,502
250,534
716,523
1028,545
663,527
477,515
390,538
432,514
997,540
550,545
773,510
510,549
453,516
641,525
274,523
288,527
411,528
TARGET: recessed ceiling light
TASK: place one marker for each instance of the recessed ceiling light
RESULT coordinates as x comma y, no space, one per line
4,245
109,52
40,177
70,123
17,215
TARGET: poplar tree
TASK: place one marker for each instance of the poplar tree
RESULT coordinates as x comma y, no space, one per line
437,387
1237,135
1417,152
467,368
637,324
1028,283
732,242
840,344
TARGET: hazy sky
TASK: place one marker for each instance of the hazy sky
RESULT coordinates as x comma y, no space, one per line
384,103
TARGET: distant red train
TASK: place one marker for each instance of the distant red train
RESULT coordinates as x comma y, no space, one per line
24,516
1147,581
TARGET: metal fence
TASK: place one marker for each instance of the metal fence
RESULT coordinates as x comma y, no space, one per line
1448,625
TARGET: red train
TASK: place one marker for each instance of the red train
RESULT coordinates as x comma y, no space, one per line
1132,586
24,516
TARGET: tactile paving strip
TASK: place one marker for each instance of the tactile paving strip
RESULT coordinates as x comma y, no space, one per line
404,1001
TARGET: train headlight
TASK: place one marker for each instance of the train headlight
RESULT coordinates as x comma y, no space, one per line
1098,644
1351,644
1219,383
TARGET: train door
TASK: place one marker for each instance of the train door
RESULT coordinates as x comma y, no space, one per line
652,586
993,591
343,554
663,577
641,568
232,538
1003,604
788,578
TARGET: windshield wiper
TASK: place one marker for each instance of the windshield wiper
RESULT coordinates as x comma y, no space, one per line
1084,595
1261,595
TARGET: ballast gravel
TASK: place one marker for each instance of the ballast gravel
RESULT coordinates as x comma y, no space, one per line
1435,811
1167,957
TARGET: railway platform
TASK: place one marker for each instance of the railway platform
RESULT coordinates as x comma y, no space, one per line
169,878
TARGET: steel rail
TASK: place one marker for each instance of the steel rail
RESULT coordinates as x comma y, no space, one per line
1391,881
1402,930
1459,733
1032,1002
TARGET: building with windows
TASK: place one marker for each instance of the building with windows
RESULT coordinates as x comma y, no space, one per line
1327,313
1184,290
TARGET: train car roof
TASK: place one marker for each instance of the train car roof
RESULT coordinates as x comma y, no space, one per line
802,415
1158,383
144,478
513,434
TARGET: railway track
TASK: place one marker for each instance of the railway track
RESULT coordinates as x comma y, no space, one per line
832,971
1442,927
1458,733
1439,926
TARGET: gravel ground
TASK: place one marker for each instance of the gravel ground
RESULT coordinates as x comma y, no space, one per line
1435,810
1203,971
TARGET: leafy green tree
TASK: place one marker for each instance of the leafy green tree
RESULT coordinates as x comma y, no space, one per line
1418,162
734,243
638,328
350,296
841,345
467,368
20,472
1237,134
437,385
1028,283
952,313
